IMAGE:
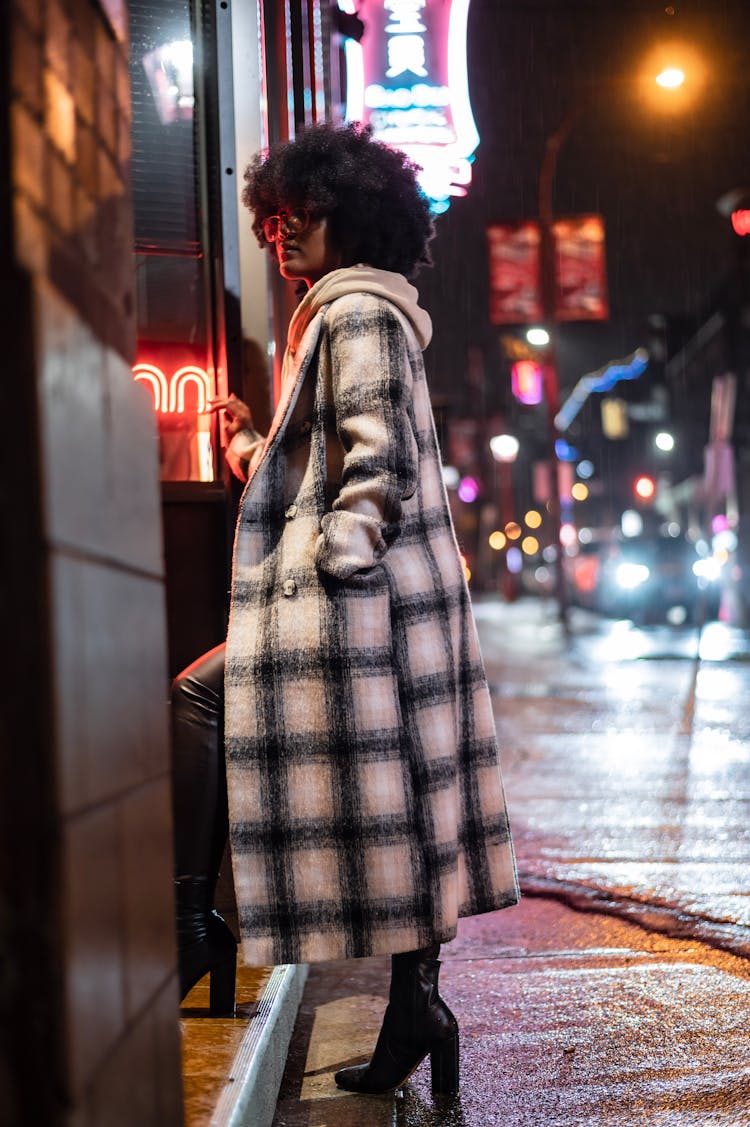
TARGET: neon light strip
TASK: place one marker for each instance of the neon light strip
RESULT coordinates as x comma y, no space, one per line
169,396
458,81
603,379
179,381
155,378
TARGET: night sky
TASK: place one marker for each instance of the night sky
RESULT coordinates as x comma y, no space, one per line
654,177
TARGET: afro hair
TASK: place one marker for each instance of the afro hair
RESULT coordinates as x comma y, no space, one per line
369,193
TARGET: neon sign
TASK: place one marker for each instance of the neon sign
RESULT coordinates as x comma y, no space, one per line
408,81
169,395
181,403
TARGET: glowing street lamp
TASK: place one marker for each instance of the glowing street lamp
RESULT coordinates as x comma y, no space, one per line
504,447
670,78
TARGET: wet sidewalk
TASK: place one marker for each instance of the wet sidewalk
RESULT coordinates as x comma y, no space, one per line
616,992
566,1018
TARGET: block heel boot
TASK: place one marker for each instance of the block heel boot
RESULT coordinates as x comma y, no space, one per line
205,945
417,1022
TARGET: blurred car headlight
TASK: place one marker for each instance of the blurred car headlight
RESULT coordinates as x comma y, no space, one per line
631,575
709,569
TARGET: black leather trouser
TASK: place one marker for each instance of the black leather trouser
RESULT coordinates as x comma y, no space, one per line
199,780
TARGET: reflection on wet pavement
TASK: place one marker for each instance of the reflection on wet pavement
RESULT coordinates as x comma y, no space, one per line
627,763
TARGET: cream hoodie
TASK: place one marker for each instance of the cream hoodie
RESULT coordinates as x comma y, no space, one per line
246,448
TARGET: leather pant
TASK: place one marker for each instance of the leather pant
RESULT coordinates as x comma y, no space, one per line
199,781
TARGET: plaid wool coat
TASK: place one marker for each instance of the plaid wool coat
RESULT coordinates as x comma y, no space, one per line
366,804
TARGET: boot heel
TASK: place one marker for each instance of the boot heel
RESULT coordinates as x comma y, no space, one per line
222,986
444,1065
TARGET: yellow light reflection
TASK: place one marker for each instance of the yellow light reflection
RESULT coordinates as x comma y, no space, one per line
497,540
533,519
513,530
579,491
530,545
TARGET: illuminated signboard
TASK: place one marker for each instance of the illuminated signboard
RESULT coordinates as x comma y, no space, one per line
407,79
181,394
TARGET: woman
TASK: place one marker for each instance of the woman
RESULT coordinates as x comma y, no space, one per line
366,808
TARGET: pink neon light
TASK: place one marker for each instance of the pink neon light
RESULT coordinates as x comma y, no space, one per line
169,395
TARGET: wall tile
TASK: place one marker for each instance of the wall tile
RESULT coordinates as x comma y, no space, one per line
124,1092
29,154
60,197
110,680
57,39
87,162
95,995
83,81
168,1054
30,236
72,396
150,956
60,116
26,66
106,117
133,469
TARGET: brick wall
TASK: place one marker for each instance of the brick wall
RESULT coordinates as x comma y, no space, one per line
88,997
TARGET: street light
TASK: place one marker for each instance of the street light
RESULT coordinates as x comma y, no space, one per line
670,78
552,148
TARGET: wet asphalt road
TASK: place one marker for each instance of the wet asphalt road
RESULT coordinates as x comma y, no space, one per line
626,755
618,991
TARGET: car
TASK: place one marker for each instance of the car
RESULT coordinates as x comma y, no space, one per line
656,579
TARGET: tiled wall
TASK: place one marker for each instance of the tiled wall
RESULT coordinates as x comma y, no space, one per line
93,836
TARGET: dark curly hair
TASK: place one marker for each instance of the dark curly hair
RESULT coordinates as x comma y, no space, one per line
369,193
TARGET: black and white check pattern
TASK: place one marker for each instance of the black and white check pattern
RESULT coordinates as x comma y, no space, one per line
366,803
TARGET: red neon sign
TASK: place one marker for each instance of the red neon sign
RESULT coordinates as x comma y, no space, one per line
169,394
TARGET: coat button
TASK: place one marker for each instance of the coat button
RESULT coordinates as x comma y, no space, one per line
289,587
291,512
305,427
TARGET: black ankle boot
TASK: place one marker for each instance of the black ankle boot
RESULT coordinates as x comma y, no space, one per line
417,1022
205,945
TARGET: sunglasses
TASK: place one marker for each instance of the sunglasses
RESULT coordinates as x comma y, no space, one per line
291,222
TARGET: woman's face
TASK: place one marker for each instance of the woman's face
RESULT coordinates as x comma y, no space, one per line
306,255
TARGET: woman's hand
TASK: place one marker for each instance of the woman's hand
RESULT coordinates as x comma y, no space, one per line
238,416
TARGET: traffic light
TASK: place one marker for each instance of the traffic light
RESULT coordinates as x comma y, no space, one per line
644,488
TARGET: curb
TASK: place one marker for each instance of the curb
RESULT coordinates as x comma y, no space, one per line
249,1096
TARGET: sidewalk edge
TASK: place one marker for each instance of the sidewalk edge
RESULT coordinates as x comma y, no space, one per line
249,1096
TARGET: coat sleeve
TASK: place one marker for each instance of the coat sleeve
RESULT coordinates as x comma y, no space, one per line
244,448
372,391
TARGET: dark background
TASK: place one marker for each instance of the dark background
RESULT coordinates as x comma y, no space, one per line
655,177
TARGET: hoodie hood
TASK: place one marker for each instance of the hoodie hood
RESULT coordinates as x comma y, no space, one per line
361,279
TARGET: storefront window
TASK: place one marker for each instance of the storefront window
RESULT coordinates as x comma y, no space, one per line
175,358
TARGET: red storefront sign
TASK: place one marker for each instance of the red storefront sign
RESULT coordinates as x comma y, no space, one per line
515,278
580,271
